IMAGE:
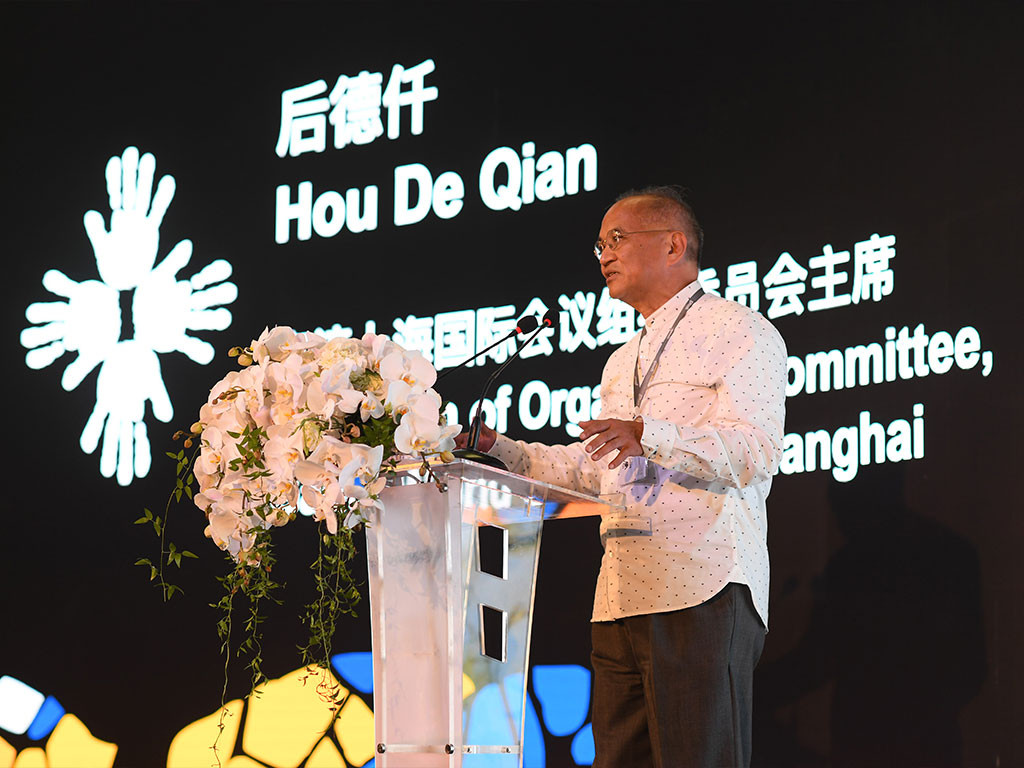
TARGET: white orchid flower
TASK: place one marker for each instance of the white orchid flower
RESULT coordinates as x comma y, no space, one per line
227,531
322,500
397,398
313,474
380,346
284,448
338,377
324,465
226,397
272,345
336,383
420,430
287,392
371,407
362,470
282,492
411,367
253,399
320,403
337,453
275,344
416,435
307,346
371,490
217,451
229,527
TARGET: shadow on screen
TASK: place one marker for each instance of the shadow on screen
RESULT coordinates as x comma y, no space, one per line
895,633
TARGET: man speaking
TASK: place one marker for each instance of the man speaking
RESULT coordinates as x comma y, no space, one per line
691,434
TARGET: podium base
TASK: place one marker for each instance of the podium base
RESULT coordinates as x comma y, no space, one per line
470,454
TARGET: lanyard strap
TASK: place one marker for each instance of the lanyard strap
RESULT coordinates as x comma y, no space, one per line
640,387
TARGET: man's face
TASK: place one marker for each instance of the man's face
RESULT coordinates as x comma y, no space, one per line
630,268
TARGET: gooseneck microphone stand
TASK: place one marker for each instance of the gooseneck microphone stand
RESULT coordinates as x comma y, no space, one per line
471,452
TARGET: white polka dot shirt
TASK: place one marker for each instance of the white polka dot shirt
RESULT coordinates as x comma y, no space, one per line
713,413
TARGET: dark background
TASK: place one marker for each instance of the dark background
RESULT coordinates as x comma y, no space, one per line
896,611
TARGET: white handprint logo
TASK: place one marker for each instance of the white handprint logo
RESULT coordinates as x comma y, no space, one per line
164,309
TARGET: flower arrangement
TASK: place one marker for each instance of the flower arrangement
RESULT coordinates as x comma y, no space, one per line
311,418
311,421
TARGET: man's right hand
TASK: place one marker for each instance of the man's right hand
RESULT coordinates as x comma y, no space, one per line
483,444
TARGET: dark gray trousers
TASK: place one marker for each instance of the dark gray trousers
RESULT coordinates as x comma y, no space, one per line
675,690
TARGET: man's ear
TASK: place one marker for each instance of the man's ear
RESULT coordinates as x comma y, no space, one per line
677,251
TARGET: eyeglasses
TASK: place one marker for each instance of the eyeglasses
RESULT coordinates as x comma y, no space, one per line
616,236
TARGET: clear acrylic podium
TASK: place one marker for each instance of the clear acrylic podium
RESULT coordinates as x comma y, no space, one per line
452,576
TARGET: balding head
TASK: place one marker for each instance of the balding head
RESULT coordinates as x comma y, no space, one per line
648,251
667,206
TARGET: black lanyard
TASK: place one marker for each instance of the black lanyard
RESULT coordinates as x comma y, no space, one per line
640,387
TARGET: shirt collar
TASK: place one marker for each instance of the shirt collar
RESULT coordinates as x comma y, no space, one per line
668,311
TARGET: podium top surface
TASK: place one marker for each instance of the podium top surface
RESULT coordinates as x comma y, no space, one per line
555,502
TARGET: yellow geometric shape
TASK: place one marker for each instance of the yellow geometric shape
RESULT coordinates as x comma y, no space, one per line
241,761
468,686
33,757
7,753
354,730
325,755
71,745
191,747
288,716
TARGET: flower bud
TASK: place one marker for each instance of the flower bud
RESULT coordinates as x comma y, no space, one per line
447,456
244,360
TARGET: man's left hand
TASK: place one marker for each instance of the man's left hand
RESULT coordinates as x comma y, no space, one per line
613,435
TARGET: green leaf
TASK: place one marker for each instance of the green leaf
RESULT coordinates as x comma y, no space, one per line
186,553
143,561
171,455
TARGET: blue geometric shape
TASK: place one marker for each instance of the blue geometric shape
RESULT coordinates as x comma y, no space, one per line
582,749
46,719
534,755
488,723
373,761
564,694
356,668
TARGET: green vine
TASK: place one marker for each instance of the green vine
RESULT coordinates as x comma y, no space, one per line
252,580
337,594
169,552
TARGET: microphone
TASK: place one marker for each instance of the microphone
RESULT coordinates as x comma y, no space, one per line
550,320
524,324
